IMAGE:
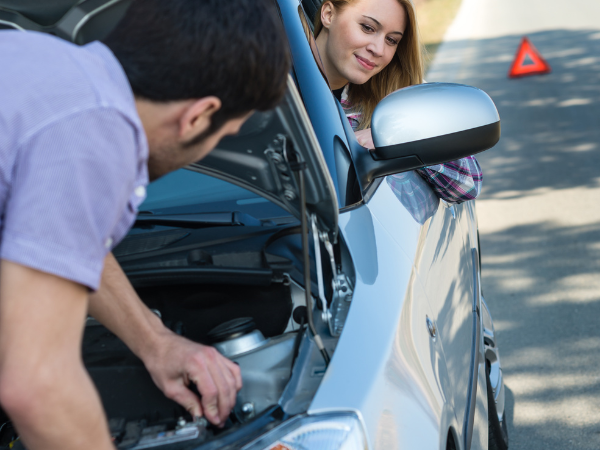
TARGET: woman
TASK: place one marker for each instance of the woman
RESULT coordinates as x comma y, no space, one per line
370,48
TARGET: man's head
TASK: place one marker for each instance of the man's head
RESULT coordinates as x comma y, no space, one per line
198,69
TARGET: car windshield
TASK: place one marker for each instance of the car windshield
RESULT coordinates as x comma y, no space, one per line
189,192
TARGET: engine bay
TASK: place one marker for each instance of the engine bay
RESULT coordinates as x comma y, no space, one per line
259,322
252,325
246,325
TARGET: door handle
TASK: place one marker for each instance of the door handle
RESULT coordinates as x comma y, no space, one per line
431,327
450,207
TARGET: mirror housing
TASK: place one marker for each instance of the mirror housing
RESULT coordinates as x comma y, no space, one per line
428,124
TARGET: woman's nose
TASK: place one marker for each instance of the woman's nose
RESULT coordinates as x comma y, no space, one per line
375,47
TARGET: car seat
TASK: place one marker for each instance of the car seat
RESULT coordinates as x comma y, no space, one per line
78,21
310,7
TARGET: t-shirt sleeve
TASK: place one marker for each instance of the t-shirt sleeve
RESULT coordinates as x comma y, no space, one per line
70,189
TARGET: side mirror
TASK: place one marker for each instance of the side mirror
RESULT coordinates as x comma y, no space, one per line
428,124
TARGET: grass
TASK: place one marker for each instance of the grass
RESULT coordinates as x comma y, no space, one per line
434,18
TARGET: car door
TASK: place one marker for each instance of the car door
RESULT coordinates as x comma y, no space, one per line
445,269
442,259
435,243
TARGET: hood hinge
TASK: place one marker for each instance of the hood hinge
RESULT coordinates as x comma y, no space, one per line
279,165
335,314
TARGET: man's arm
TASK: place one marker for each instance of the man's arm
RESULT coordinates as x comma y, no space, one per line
44,387
173,361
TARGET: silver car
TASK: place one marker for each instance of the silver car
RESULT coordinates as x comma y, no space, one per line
348,293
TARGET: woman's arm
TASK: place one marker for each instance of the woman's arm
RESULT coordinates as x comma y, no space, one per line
455,181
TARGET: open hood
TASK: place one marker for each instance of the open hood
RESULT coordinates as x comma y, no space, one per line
261,158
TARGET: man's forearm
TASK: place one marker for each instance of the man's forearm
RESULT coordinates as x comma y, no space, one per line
44,387
117,306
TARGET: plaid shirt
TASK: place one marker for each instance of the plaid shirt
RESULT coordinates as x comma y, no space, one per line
455,181
414,193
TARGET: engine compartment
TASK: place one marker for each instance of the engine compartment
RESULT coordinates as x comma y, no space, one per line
235,287
246,324
250,323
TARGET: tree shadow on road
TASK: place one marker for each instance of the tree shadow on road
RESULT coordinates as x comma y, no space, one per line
555,381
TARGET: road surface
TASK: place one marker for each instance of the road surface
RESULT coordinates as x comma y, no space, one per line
539,212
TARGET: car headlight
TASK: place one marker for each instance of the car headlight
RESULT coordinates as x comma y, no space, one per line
333,431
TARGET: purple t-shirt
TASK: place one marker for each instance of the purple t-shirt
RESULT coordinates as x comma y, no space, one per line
73,155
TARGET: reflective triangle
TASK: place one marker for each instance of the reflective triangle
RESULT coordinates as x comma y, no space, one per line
528,61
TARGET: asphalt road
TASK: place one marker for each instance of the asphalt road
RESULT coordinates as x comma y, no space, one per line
539,212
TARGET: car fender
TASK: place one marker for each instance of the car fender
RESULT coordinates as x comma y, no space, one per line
385,365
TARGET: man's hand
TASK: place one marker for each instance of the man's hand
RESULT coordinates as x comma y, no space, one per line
365,138
177,362
173,362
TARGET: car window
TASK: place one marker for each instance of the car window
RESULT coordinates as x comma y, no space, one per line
311,7
308,31
348,190
188,191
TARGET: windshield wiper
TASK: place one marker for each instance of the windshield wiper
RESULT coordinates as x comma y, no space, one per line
200,220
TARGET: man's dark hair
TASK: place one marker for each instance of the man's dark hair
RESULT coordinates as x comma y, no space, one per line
235,50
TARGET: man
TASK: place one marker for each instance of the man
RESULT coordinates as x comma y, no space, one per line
81,131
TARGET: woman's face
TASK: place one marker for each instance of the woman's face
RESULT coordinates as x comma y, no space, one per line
359,40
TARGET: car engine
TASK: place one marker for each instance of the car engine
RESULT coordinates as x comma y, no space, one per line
140,416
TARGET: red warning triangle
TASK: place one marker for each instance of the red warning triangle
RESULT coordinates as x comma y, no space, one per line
528,61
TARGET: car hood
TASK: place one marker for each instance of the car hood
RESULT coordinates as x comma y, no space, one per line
261,156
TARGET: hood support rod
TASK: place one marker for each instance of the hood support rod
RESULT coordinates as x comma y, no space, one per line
299,167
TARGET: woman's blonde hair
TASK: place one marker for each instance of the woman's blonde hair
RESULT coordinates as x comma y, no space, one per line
405,69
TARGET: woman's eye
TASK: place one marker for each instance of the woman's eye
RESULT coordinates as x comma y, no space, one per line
367,28
392,41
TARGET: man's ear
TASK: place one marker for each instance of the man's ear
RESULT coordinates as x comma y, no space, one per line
327,14
196,117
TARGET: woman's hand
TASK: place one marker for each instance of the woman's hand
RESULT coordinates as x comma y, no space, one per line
365,139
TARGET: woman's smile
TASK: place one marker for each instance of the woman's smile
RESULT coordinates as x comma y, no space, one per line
367,64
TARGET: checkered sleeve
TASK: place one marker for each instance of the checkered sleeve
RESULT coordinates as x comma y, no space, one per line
455,181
